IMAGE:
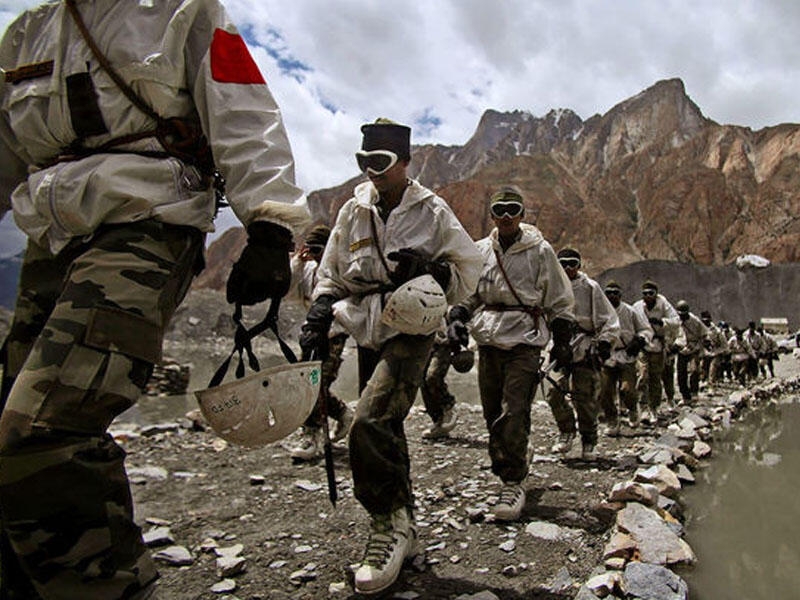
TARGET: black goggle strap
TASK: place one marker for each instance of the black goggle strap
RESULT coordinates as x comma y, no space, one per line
242,343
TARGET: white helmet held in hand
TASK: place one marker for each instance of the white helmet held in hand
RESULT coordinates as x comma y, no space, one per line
416,307
263,407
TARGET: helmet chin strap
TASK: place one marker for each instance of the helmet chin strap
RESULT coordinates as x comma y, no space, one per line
242,342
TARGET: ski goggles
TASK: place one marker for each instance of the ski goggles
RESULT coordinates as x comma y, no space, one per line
648,293
503,209
570,263
376,162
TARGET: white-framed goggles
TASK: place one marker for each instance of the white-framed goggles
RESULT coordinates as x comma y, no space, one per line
376,162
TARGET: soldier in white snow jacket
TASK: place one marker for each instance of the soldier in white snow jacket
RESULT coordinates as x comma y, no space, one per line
391,233
596,333
665,323
522,296
109,145
619,371
691,345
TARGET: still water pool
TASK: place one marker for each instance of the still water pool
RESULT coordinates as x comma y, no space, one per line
744,512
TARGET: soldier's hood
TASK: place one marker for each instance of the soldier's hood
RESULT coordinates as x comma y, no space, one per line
531,236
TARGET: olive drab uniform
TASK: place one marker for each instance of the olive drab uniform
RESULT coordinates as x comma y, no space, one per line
511,337
595,321
391,363
115,226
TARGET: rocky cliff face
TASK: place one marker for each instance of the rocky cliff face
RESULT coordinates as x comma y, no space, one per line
650,179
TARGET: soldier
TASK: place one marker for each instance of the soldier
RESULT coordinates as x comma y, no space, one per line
110,174
619,371
690,344
727,367
664,321
770,352
439,402
596,333
397,256
305,268
757,345
715,347
741,353
522,294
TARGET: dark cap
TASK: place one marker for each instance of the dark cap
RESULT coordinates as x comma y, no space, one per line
569,253
682,306
385,134
650,285
705,315
318,236
508,193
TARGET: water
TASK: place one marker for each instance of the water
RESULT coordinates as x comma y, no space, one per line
744,512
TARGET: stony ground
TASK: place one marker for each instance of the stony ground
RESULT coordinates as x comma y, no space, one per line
280,536
261,507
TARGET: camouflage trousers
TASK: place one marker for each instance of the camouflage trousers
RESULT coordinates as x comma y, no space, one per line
378,446
621,378
583,384
507,381
689,375
330,370
435,395
87,328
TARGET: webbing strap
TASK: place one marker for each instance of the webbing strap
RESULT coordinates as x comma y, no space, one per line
242,343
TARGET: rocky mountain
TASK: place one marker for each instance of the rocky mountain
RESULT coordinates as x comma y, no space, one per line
652,179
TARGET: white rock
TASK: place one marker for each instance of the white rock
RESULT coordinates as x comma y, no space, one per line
223,587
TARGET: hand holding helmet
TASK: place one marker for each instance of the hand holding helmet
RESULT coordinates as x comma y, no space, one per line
411,264
262,270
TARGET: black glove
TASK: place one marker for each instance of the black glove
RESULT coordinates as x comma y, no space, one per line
634,346
457,334
262,270
561,352
411,263
656,322
603,350
674,348
314,332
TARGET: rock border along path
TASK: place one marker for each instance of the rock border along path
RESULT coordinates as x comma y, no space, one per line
646,539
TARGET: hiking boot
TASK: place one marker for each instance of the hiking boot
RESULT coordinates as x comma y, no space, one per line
612,429
310,445
648,418
392,538
343,423
443,426
633,419
512,500
564,443
589,451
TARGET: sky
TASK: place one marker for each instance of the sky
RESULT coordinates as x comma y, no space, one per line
437,65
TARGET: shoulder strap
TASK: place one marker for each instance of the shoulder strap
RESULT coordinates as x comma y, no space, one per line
533,311
123,86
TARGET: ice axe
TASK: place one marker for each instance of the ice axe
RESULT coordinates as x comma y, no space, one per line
322,402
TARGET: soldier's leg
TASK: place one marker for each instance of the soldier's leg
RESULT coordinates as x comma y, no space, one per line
378,446
655,372
560,407
435,395
510,429
584,397
628,394
608,393
667,378
40,281
683,377
64,493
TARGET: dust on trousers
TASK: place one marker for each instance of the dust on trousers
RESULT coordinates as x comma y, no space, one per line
87,328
